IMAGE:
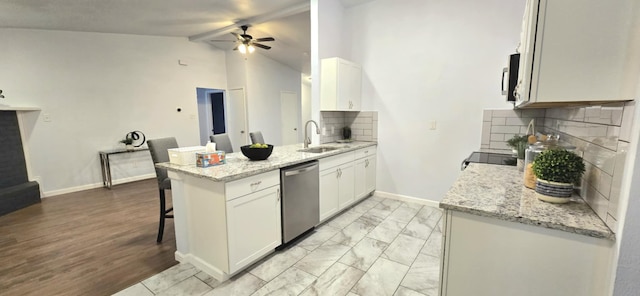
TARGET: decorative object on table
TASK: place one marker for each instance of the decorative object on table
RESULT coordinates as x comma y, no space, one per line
128,142
208,159
133,139
257,151
519,145
557,170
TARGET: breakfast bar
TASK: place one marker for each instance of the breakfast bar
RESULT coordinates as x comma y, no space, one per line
229,216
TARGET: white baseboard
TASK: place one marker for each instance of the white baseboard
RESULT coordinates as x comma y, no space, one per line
422,201
96,185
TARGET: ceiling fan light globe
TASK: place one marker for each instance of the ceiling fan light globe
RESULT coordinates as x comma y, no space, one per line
242,48
251,48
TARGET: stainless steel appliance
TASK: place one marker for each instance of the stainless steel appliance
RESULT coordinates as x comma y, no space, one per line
300,199
490,158
512,77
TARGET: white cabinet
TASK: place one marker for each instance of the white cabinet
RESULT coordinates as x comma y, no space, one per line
575,51
223,227
336,184
253,225
485,256
365,172
340,85
346,179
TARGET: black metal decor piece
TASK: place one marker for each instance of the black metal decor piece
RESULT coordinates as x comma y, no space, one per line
135,136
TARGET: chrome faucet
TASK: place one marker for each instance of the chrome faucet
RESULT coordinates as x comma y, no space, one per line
307,140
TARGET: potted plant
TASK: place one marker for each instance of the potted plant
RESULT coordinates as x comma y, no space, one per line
128,141
519,145
557,170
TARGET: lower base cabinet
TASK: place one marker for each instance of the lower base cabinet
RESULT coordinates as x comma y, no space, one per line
346,179
253,227
221,228
485,256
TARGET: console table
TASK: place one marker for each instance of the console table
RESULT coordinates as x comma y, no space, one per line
106,167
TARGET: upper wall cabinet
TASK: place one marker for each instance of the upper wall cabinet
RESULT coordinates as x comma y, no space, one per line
576,51
340,85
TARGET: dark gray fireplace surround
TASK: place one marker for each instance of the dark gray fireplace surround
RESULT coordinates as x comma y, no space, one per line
16,192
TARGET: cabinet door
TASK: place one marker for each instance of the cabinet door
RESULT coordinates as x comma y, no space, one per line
328,193
346,185
355,84
253,226
370,174
360,185
344,88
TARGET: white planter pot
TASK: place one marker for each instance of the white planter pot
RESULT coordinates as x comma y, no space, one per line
553,192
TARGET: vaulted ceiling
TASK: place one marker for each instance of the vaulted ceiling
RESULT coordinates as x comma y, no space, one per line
201,20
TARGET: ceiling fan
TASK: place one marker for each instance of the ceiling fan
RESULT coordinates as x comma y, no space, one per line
246,43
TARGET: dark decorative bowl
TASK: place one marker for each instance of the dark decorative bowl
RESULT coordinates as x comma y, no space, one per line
256,153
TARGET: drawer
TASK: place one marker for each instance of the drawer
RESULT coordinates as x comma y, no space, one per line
364,152
333,161
244,186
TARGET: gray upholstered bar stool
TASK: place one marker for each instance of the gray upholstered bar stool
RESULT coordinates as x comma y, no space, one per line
158,149
222,142
256,137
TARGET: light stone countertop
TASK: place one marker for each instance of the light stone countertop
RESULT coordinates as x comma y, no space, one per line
238,166
497,191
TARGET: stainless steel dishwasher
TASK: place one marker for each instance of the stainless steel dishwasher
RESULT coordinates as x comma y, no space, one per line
300,199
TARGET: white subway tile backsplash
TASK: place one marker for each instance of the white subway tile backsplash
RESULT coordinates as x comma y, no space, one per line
505,113
498,121
486,133
363,126
627,121
497,137
601,135
598,203
505,129
487,115
616,183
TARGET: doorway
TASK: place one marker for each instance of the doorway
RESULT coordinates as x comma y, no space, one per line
208,112
289,114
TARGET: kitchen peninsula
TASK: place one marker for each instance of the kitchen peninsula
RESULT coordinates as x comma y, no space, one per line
499,239
229,216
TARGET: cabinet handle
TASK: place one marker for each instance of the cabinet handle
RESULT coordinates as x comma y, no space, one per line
366,163
278,193
256,183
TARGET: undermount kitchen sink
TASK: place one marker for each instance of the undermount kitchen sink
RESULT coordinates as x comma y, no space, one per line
321,149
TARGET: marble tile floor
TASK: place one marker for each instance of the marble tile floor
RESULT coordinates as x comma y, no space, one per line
377,247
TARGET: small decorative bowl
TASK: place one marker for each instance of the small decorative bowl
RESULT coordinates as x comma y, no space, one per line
256,153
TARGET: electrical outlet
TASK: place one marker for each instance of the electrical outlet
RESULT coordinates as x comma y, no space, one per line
324,131
432,125
46,117
333,130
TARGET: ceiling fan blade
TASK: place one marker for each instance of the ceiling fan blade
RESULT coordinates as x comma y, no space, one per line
265,39
261,45
237,36
236,48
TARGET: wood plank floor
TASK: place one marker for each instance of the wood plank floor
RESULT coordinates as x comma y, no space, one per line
94,242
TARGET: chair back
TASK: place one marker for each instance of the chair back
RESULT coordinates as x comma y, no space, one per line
222,142
158,149
256,137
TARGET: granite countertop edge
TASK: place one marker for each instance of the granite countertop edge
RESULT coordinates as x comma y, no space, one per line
512,207
239,160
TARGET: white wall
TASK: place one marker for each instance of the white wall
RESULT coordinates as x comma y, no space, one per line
263,80
428,61
305,95
97,87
